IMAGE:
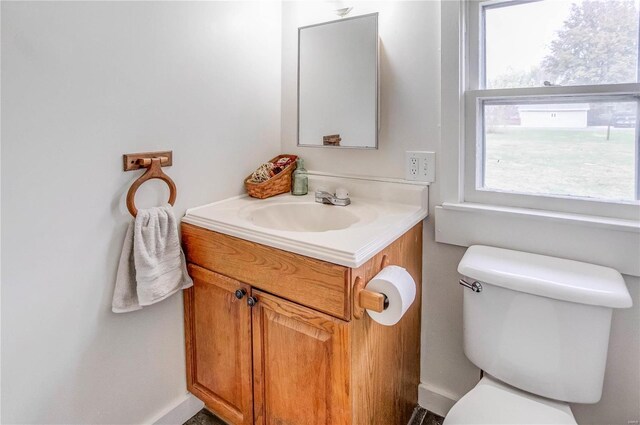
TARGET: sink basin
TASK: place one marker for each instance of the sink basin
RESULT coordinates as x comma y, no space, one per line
302,217
380,212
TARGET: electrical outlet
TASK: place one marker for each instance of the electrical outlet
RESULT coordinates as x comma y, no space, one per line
420,166
414,164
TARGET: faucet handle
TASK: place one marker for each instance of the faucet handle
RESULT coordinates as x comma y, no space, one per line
342,193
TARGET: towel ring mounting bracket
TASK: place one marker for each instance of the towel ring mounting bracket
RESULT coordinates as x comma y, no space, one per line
153,162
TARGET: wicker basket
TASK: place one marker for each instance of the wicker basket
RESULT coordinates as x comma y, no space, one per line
280,183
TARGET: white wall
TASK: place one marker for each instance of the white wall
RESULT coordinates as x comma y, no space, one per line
83,83
411,112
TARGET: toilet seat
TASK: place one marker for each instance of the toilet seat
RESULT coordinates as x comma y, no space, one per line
494,402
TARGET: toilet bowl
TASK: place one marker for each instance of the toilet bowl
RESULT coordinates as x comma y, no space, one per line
538,327
494,402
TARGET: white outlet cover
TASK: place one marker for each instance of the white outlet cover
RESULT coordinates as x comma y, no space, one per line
420,166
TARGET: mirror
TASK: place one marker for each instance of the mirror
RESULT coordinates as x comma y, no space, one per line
338,83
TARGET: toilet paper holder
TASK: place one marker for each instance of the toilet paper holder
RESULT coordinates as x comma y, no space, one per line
369,300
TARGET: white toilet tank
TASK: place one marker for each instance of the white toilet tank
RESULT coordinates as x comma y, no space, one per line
540,323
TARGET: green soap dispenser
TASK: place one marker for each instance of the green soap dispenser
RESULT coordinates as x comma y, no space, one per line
300,179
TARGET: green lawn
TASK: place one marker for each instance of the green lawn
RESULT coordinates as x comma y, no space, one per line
562,161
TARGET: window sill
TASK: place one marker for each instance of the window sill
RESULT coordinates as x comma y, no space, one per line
599,240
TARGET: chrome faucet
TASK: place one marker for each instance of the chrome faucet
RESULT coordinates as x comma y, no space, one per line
329,199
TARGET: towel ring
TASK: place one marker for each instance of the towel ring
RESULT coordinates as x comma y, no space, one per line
154,171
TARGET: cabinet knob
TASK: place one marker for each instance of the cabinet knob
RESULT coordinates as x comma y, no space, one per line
252,301
240,293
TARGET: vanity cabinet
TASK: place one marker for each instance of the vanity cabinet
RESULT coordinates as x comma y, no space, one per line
271,338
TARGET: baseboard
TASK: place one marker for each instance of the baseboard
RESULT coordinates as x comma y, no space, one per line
435,400
181,411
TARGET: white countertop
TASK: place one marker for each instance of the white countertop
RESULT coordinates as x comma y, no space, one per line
387,209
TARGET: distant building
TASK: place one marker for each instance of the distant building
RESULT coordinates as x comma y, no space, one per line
573,115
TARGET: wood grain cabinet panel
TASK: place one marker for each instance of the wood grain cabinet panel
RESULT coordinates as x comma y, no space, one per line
218,333
320,285
386,359
300,365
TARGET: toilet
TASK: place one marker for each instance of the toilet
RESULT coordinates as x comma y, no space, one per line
538,327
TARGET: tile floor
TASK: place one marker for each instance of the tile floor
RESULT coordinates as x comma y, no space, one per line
420,417
204,417
424,417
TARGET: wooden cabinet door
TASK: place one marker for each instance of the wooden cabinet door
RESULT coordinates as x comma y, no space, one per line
218,343
300,365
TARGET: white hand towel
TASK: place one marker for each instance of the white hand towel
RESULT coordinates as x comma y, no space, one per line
152,265
125,298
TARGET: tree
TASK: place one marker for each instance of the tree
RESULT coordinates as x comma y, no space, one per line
514,78
598,44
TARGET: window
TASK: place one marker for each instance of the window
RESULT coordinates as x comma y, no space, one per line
552,105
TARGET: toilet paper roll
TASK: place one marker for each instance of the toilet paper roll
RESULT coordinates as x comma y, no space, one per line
399,287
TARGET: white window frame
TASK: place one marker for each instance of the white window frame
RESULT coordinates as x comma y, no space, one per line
475,95
590,237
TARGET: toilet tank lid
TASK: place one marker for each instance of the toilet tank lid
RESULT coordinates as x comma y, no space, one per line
550,277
